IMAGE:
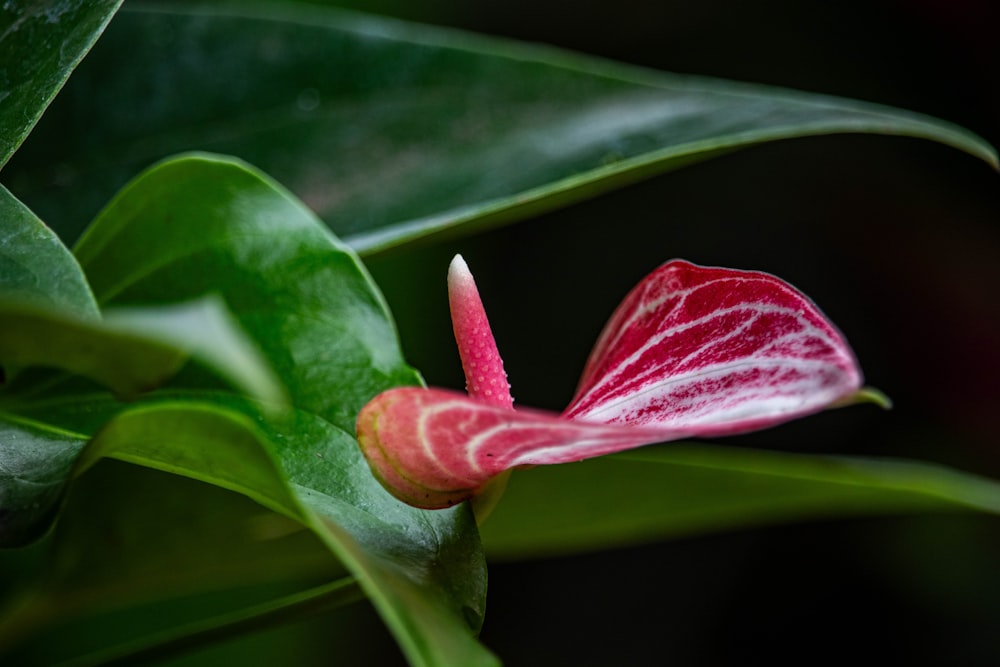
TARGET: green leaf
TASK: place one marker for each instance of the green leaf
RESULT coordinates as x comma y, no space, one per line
675,490
50,318
212,225
205,330
41,41
35,266
141,552
35,462
329,490
134,350
395,132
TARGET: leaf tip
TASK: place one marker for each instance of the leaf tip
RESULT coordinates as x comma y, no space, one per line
866,394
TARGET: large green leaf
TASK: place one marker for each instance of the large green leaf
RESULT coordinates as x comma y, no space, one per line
394,132
674,490
214,225
41,41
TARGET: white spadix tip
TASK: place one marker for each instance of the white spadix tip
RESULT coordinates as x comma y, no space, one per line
458,272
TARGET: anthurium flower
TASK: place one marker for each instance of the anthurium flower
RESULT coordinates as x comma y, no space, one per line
691,351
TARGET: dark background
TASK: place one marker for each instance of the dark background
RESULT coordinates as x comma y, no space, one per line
896,239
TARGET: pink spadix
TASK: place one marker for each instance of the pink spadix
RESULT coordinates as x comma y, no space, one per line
691,351
485,379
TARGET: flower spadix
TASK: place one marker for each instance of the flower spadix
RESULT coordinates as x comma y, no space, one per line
691,351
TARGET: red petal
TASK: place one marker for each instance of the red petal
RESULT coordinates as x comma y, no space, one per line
434,448
714,351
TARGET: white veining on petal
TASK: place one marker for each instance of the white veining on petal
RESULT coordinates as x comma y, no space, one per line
588,445
792,369
427,442
611,376
648,307
721,406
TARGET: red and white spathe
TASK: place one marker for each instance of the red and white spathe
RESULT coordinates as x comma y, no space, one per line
691,351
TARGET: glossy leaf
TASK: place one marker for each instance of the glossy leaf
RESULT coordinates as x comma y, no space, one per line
35,462
301,295
36,268
395,132
691,351
41,41
38,271
214,225
686,489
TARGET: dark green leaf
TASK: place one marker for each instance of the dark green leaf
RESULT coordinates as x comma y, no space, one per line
41,41
35,462
35,266
671,490
159,539
190,635
42,276
395,132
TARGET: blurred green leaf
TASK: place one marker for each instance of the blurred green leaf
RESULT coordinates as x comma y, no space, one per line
212,225
673,490
160,538
41,41
395,132
205,330
133,350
